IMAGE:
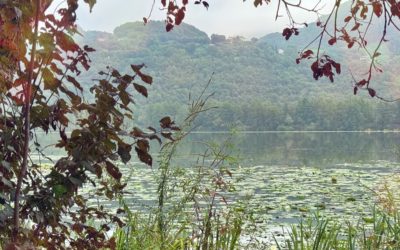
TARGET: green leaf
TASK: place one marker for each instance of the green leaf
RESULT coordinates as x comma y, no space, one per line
59,190
50,82
368,220
46,40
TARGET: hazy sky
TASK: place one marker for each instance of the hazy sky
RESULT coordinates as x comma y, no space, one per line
228,17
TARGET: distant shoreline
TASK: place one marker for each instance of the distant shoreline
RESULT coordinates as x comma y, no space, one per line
296,131
274,132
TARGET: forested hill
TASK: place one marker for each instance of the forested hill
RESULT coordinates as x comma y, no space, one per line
257,84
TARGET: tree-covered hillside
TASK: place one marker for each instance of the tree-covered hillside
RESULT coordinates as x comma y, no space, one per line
257,84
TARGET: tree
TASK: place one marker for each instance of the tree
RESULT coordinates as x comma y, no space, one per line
39,92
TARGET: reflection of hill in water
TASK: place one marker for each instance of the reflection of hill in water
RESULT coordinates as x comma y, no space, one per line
305,149
293,149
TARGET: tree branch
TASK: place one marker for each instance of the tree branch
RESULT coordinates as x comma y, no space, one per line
27,117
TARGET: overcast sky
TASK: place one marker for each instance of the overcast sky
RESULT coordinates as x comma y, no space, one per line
228,17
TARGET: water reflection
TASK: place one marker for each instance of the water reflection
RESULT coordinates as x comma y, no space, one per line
304,149
320,149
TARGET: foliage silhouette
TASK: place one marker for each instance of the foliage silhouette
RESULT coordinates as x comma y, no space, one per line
40,92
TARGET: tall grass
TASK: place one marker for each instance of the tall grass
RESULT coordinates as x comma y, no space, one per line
378,232
196,208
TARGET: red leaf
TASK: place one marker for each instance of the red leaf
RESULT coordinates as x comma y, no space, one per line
287,33
184,2
361,83
332,41
364,12
166,122
115,73
307,54
55,69
169,27
356,26
144,156
164,2
337,67
143,145
146,78
113,170
371,92
377,7
180,16
314,66
347,19
139,88
171,7
137,67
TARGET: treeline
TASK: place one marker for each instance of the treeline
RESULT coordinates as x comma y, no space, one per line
322,114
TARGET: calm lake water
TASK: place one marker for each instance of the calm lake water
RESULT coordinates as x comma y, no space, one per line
292,175
320,149
308,149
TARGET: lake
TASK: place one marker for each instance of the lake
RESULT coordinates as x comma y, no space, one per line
314,149
290,175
